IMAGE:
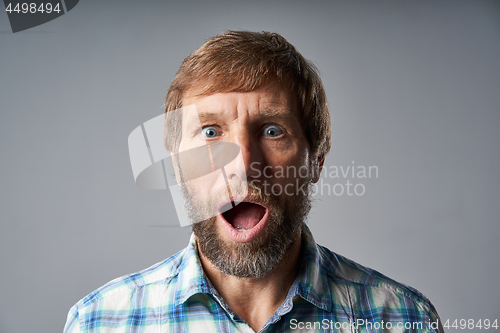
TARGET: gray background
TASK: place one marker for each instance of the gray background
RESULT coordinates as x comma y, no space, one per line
413,89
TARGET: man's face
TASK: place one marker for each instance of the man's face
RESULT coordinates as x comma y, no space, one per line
268,184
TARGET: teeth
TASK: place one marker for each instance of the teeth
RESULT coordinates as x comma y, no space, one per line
240,229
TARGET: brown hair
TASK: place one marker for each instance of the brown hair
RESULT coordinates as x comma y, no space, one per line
241,61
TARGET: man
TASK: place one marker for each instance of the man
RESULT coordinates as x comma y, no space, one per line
252,264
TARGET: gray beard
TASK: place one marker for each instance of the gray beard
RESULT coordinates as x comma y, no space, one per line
257,258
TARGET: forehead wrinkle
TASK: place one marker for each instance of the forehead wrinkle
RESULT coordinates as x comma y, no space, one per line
268,106
281,113
218,110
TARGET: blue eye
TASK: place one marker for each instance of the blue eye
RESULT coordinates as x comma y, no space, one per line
272,131
209,132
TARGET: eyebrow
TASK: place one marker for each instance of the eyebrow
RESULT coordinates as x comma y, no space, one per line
199,117
206,115
275,112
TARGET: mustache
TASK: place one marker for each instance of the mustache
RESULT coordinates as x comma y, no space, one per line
250,191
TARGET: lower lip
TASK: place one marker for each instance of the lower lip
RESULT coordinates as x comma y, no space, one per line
248,235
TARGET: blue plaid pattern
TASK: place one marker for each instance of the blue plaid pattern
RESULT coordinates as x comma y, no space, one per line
331,294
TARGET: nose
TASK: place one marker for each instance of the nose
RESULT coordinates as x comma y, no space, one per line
248,163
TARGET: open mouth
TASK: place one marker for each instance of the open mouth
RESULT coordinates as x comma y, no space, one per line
244,216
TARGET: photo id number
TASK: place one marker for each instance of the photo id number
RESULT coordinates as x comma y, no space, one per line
463,324
33,8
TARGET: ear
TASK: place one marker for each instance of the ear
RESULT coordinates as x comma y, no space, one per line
317,167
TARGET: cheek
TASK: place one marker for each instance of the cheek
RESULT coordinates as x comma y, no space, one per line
298,156
189,143
289,166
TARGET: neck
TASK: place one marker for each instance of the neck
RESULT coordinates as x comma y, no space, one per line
256,299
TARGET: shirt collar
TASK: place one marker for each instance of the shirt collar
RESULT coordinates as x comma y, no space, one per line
191,279
311,283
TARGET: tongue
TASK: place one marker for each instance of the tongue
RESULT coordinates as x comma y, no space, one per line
245,215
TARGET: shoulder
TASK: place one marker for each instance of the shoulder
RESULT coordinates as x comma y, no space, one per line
345,270
370,291
160,273
124,293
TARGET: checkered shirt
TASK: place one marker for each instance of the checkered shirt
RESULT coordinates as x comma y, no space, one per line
330,294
